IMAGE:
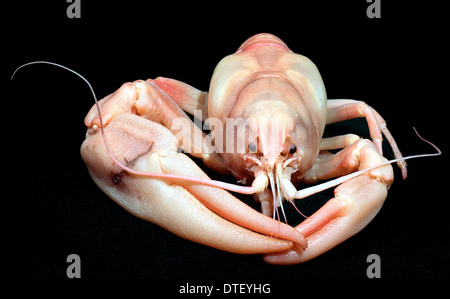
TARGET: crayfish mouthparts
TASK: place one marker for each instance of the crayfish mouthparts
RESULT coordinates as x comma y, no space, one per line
281,187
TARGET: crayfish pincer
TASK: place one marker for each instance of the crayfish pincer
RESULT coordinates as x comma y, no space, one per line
267,111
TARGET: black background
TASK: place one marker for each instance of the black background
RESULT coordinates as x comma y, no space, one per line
51,208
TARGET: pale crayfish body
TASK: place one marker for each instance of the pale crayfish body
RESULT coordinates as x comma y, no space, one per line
267,110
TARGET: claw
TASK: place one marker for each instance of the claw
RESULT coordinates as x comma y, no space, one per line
228,206
355,204
147,146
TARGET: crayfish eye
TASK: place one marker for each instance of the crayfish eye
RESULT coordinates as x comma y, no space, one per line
252,147
293,149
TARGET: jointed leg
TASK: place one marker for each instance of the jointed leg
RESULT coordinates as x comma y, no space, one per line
148,100
187,97
329,166
340,110
338,142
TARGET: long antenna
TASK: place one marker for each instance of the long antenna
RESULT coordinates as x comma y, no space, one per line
207,182
318,188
